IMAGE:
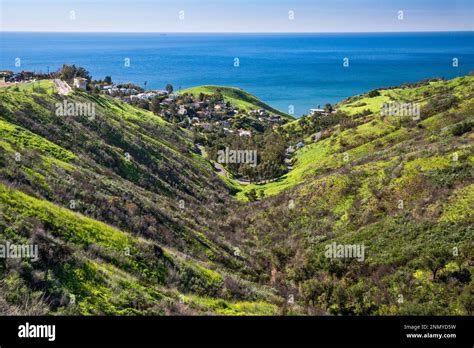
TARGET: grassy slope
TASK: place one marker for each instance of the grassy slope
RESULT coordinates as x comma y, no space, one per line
373,133
405,194
106,270
354,201
132,261
235,96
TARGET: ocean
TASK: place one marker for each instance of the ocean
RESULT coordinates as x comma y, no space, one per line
284,70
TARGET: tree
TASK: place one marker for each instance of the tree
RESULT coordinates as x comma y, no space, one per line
155,106
328,108
374,93
69,72
217,97
169,88
143,104
251,195
108,80
52,255
81,72
311,290
437,259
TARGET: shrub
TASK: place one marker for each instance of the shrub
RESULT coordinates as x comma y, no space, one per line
374,93
462,128
439,104
251,195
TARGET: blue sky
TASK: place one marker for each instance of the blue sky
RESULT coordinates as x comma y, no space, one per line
236,15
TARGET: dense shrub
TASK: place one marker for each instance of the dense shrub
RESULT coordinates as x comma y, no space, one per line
462,128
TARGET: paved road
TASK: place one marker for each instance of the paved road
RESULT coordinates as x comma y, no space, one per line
220,169
62,87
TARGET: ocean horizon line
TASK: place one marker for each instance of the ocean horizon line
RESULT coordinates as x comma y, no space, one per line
239,32
284,69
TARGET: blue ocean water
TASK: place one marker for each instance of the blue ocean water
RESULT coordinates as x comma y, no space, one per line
302,70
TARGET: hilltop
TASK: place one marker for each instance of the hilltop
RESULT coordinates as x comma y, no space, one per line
237,97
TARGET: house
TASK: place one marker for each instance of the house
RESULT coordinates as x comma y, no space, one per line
5,75
317,111
80,82
144,96
182,110
259,112
171,98
244,133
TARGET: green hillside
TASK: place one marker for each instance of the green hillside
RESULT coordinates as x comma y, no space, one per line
236,96
402,189
119,205
373,132
130,219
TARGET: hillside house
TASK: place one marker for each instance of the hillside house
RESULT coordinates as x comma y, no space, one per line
290,151
317,111
244,133
299,145
80,83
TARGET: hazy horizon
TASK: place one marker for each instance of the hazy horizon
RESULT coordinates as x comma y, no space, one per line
237,32
236,16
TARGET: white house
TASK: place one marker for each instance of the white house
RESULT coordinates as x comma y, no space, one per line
80,82
299,145
244,133
317,111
